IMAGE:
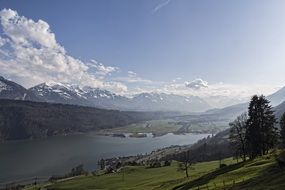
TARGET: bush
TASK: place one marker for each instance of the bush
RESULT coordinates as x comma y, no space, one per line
281,160
167,163
223,165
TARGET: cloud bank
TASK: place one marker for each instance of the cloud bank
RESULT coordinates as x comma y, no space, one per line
30,54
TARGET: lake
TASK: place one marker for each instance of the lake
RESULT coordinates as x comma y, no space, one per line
57,155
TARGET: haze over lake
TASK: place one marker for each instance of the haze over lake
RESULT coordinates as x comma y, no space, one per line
57,155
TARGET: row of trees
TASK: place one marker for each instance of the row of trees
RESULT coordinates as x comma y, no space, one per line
254,133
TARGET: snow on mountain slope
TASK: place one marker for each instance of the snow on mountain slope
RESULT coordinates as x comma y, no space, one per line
95,97
162,101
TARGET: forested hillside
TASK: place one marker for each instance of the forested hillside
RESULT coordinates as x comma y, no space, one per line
24,119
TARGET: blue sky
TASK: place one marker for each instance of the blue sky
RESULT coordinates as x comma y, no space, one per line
228,44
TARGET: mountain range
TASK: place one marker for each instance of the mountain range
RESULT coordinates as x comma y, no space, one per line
100,98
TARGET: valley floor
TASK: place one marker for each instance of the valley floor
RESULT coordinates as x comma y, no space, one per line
261,173
162,127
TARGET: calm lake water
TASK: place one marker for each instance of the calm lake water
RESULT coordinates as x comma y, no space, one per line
57,155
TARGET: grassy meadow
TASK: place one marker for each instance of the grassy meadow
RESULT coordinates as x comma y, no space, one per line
258,174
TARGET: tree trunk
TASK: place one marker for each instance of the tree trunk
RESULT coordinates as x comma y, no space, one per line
186,170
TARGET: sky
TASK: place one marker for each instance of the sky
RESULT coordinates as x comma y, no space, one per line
230,49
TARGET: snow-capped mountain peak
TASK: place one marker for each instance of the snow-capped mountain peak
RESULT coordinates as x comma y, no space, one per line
163,101
56,92
98,93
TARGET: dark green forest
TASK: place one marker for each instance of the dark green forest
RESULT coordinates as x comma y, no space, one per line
29,120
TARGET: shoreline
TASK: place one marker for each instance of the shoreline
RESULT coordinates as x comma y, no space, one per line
144,135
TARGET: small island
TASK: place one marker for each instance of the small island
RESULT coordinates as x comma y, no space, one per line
121,135
158,134
138,135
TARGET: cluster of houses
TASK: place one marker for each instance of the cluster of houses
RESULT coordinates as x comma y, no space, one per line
112,165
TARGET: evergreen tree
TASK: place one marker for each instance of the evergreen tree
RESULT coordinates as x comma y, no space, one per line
261,134
252,140
282,128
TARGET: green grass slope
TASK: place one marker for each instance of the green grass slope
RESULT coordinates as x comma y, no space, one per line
258,174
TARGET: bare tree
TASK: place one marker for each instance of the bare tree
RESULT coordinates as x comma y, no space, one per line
186,163
237,135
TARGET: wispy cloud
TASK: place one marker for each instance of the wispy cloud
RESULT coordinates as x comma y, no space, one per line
132,77
161,5
101,69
